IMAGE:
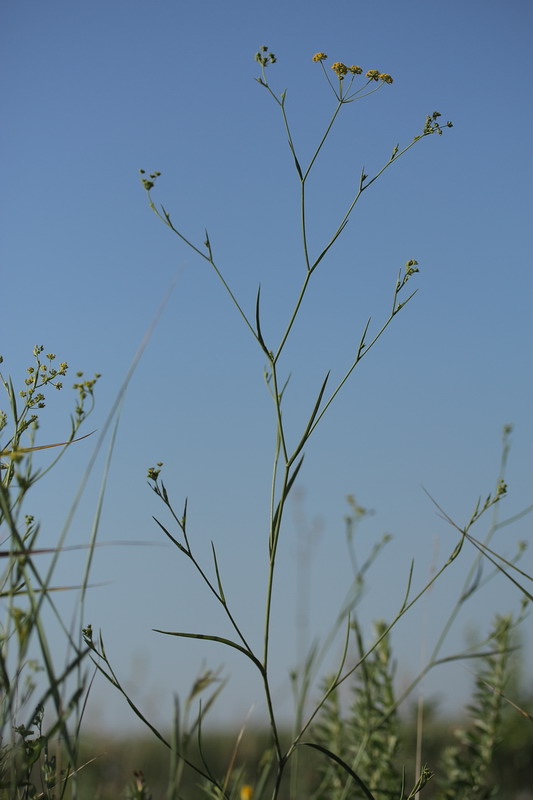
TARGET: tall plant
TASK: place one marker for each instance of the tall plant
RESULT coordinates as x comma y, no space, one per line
375,705
39,692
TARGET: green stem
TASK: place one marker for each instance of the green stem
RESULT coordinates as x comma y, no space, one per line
165,218
274,538
279,420
322,141
362,188
293,317
360,355
405,607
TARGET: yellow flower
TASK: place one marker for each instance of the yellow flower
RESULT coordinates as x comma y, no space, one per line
340,68
319,57
373,74
385,77
355,70
246,792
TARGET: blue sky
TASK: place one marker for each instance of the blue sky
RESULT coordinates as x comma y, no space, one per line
93,92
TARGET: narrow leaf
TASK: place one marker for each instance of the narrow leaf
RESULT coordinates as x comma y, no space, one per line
257,322
172,538
287,490
220,589
211,638
293,476
21,450
364,788
296,162
312,418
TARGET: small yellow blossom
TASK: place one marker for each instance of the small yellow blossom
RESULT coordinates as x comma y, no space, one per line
385,77
355,70
340,68
246,792
319,57
373,74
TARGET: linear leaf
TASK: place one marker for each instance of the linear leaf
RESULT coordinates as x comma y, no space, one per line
366,791
211,638
220,589
257,321
172,538
21,450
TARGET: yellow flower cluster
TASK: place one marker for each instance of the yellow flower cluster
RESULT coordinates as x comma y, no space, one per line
246,792
153,472
340,68
376,75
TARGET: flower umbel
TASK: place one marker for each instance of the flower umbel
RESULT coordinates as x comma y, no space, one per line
340,68
153,472
149,184
264,57
410,268
433,126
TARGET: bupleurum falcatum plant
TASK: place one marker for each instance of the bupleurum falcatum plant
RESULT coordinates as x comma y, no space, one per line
40,692
357,757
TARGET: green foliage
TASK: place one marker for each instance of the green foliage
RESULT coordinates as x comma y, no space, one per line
33,687
374,717
348,738
290,445
359,751
467,767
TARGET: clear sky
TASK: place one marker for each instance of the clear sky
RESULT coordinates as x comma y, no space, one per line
90,93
